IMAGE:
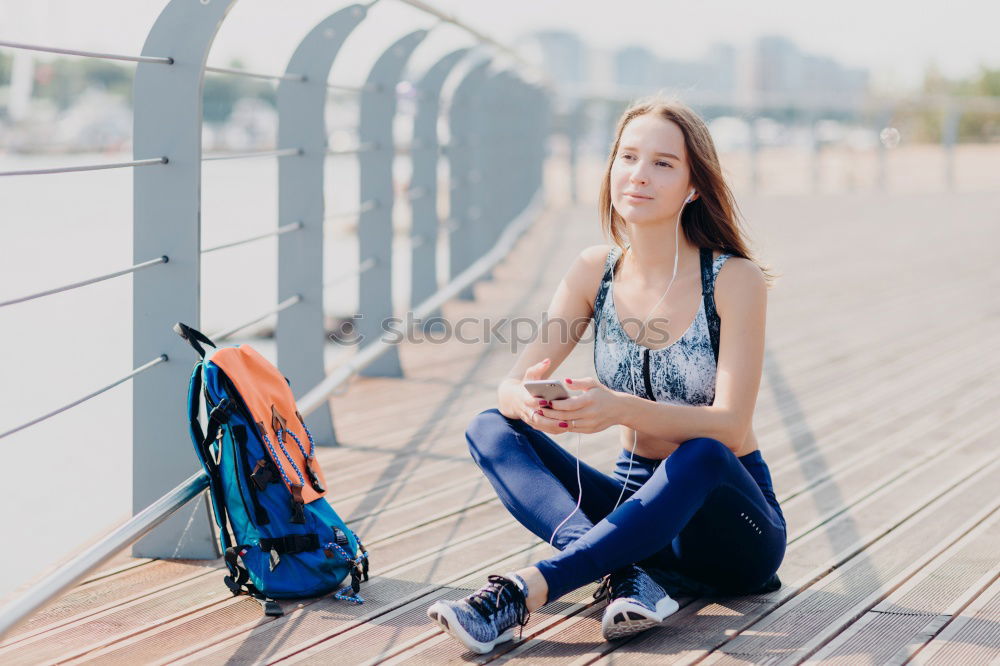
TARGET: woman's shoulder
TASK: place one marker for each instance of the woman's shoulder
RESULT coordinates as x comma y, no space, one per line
596,255
739,280
588,269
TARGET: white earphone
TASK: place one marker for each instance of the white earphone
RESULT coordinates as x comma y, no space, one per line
631,372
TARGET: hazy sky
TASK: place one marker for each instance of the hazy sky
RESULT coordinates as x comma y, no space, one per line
895,39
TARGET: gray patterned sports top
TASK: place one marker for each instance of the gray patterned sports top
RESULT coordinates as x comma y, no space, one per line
682,372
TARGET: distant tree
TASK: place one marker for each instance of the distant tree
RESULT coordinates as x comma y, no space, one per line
221,92
63,79
973,126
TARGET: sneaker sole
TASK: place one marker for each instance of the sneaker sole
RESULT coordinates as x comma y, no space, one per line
445,618
624,618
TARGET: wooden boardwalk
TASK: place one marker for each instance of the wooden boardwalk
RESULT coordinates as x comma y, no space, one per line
877,415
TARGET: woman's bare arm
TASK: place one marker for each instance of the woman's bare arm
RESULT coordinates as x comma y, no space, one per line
562,326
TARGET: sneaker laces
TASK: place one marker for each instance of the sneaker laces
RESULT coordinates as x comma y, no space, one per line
619,584
488,599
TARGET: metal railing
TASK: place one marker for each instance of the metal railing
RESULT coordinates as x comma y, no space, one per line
507,115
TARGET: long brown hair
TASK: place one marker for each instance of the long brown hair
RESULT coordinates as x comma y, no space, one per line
713,219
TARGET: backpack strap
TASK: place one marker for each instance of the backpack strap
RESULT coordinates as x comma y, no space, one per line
194,338
203,447
707,293
238,579
291,543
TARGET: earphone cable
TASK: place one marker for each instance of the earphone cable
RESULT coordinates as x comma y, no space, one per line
631,375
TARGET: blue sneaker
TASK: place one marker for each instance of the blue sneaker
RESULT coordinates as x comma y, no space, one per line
487,617
635,603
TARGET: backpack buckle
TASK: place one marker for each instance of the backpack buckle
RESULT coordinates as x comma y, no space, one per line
233,586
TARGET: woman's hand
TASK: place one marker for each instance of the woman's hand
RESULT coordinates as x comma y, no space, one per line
594,410
517,403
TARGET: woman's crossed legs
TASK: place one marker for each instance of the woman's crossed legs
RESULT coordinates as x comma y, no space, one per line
699,512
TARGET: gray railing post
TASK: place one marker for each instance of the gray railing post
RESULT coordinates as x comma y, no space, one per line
302,124
883,119
166,220
502,155
425,219
465,173
375,231
493,167
532,145
539,145
753,149
949,137
521,187
574,127
815,152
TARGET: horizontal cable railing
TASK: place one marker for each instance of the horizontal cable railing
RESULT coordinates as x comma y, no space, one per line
256,75
88,54
87,167
363,267
364,208
283,305
352,89
284,229
83,283
363,148
162,358
278,152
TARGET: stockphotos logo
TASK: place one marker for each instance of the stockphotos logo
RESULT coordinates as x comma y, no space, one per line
516,331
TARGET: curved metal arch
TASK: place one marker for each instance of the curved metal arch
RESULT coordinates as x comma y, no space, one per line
167,122
301,122
425,224
465,177
377,109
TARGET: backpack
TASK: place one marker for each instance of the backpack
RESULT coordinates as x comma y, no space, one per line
280,537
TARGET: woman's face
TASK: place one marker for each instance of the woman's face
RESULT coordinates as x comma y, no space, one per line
649,176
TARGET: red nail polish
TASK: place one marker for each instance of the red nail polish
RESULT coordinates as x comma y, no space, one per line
563,424
569,381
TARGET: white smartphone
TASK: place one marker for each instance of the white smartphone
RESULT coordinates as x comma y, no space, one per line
549,389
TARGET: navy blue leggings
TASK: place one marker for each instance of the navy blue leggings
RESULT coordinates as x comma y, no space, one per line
702,511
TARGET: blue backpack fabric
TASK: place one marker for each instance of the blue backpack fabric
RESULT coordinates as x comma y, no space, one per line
276,545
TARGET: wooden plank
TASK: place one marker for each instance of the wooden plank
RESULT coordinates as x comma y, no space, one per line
794,511
188,600
811,619
930,371
916,611
753,633
101,594
407,627
451,524
808,557
973,637
385,484
260,640
868,340
822,386
878,385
